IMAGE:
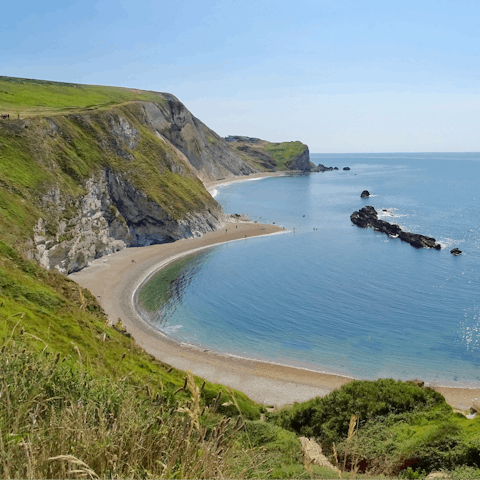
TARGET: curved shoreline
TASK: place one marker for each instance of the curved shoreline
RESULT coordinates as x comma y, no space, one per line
114,280
163,264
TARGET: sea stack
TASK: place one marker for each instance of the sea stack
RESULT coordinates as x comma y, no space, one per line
365,194
455,251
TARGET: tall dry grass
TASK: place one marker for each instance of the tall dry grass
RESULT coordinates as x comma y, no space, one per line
58,422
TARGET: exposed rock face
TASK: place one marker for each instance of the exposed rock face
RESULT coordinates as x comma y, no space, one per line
323,168
455,251
302,162
262,158
209,153
367,217
365,194
112,215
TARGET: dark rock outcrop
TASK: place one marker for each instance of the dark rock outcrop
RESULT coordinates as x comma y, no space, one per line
323,168
455,251
346,168
365,194
368,217
336,168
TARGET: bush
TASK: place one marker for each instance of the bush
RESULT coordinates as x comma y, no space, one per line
328,418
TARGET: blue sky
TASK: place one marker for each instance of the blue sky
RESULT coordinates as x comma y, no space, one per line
341,76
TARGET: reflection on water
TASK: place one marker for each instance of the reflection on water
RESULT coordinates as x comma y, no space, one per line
164,290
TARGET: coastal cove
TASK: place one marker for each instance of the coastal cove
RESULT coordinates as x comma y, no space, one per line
269,383
409,313
113,281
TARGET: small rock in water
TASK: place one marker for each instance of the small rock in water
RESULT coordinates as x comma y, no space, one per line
455,251
365,194
346,168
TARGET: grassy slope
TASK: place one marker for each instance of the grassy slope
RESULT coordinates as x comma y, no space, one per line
33,159
284,152
40,97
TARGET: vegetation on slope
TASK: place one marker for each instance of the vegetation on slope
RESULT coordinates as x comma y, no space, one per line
267,156
388,427
284,152
35,157
29,97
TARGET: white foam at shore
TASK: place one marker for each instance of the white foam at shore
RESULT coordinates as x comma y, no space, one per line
215,192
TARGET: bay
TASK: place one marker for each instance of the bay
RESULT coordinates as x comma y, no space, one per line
332,297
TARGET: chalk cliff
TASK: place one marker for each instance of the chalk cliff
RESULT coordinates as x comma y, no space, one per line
103,179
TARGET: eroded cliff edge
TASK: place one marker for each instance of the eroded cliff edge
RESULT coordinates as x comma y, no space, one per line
269,156
94,182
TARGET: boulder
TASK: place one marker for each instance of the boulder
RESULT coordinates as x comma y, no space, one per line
336,168
346,168
365,194
323,168
455,251
367,217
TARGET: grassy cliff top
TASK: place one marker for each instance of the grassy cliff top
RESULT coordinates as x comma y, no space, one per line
266,155
29,97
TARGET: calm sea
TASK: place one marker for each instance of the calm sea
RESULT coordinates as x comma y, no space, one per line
336,298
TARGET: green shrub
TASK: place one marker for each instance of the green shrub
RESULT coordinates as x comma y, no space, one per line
465,473
328,418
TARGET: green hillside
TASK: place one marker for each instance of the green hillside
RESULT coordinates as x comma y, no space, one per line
266,156
41,97
283,152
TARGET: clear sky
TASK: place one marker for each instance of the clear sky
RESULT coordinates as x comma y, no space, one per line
341,76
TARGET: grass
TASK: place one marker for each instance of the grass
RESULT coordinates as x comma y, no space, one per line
284,152
29,97
399,429
60,422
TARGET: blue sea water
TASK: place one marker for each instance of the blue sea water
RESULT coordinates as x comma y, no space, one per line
333,297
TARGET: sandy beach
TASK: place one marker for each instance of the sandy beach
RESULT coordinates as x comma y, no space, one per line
210,186
115,278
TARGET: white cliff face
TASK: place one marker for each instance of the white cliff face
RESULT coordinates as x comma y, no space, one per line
112,215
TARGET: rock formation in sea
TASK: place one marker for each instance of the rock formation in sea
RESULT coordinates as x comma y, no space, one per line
323,168
367,217
365,194
455,251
